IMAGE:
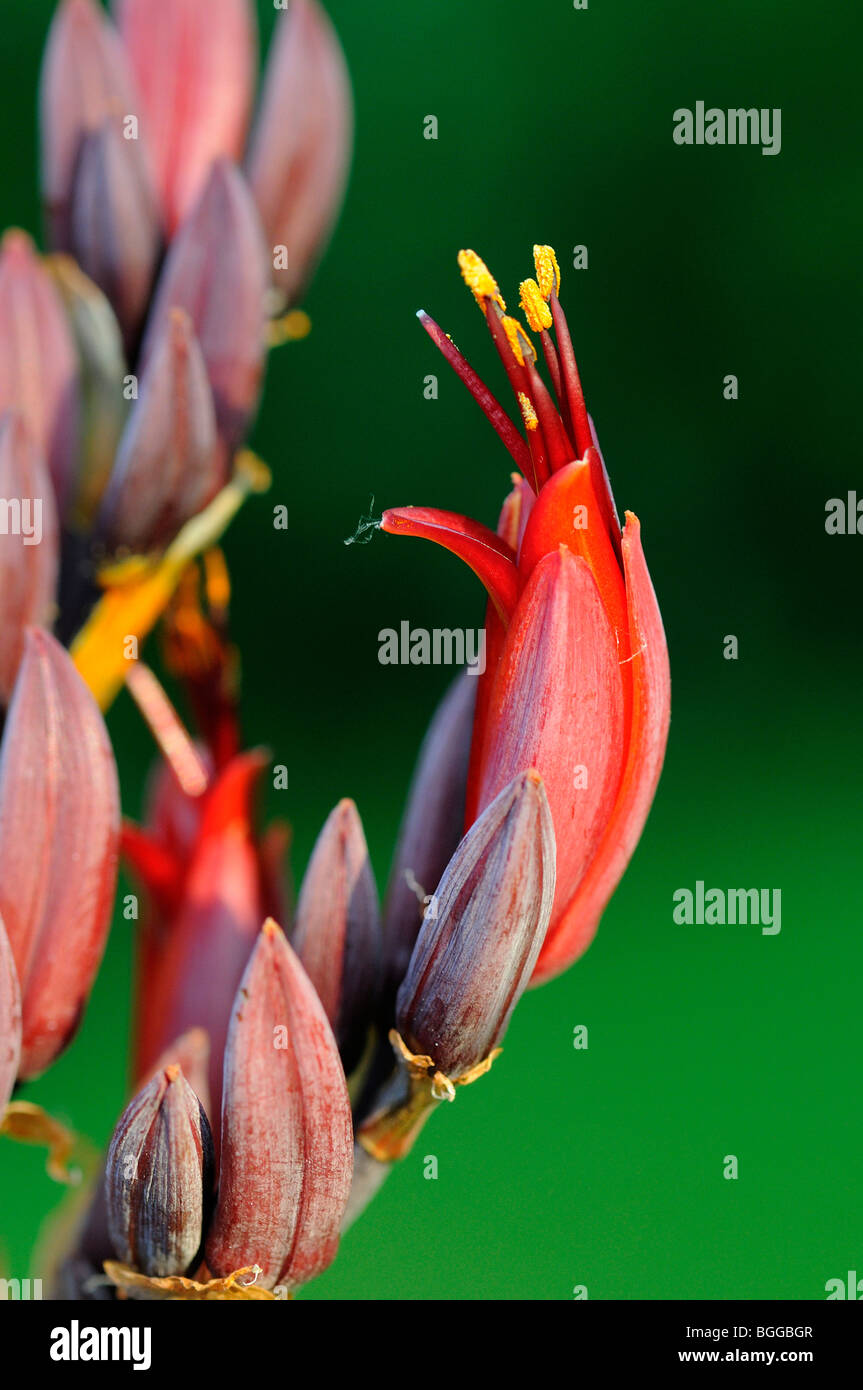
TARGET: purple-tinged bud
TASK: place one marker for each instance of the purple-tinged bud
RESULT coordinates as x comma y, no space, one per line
38,366
59,830
217,270
10,1020
158,1178
85,81
196,76
482,933
115,232
300,148
431,827
287,1147
28,545
169,464
104,409
337,933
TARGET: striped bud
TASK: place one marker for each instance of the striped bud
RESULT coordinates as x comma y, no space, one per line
59,829
28,545
337,933
158,1178
169,464
482,933
287,1149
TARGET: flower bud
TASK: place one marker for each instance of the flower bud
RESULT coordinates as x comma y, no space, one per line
10,1020
287,1150
159,1176
481,934
38,367
59,828
196,77
337,933
114,229
85,81
216,269
300,147
28,549
431,827
169,464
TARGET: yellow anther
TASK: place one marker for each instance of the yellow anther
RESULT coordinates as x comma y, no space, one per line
479,279
528,414
518,340
533,306
547,270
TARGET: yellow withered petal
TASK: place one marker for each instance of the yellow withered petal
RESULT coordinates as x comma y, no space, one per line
479,280
137,592
547,270
533,306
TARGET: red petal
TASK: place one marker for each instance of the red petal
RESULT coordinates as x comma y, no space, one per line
557,705
573,930
490,558
10,1020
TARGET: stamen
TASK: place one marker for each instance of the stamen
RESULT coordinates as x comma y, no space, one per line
176,747
533,306
479,280
528,414
547,270
522,348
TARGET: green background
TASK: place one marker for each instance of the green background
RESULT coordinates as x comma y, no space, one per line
602,1167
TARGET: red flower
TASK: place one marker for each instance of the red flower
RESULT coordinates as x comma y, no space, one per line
577,682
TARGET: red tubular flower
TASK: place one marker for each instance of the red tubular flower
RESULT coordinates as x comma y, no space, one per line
207,879
577,681
196,75
59,824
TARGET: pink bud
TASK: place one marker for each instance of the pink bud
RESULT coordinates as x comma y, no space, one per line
28,545
85,82
59,828
196,76
216,270
300,148
337,934
10,1020
38,366
114,231
169,464
287,1150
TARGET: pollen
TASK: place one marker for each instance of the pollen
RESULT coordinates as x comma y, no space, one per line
520,343
547,270
528,414
533,306
479,279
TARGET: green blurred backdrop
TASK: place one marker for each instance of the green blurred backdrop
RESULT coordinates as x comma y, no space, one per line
602,1167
